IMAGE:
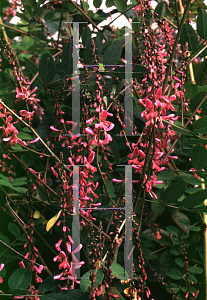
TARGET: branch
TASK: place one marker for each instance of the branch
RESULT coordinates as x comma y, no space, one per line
175,45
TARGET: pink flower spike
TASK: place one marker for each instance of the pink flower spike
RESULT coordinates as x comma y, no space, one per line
90,120
69,247
6,139
34,141
53,128
23,113
58,276
70,239
89,131
78,248
78,265
1,267
117,180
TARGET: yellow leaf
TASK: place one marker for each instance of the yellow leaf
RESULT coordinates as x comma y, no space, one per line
36,214
52,221
97,264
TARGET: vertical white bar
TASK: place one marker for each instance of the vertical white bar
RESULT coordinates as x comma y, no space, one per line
128,101
76,80
128,244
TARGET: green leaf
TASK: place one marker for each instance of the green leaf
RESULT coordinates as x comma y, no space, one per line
88,53
49,15
14,229
20,279
164,257
173,230
196,270
185,289
27,7
68,56
97,3
121,5
149,18
117,270
136,24
179,262
55,296
192,278
201,208
197,100
18,292
200,126
110,188
86,282
174,274
190,90
166,241
194,228
190,179
161,9
85,5
202,24
19,181
46,68
194,199
109,3
175,250
115,150
185,222
112,54
175,287
179,129
5,183
31,65
48,284
86,36
5,239
199,157
25,136
189,35
174,191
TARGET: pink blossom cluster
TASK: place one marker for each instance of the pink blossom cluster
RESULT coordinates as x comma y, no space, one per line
68,263
9,131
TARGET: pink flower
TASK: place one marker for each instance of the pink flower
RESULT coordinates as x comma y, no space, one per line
1,267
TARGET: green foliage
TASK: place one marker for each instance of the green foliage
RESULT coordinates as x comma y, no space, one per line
20,279
189,35
165,223
48,284
202,24
86,282
112,53
121,5
174,191
47,68
161,9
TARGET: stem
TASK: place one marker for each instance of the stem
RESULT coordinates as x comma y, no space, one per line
47,186
144,171
20,31
112,213
122,13
179,135
87,17
107,193
175,45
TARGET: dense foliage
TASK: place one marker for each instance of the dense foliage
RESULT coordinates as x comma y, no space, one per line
61,177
